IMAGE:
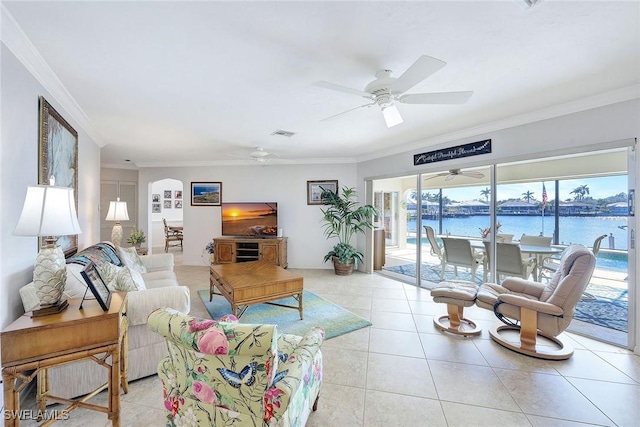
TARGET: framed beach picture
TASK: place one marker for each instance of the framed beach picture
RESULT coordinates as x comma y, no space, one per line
96,284
315,189
58,158
206,193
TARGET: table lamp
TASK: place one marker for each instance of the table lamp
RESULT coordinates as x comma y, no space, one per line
117,212
49,211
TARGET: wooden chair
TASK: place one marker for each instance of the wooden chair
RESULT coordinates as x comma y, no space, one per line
171,235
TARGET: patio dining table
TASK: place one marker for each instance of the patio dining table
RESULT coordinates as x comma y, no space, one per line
540,252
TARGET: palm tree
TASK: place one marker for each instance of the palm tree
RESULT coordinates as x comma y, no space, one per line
528,196
485,193
580,192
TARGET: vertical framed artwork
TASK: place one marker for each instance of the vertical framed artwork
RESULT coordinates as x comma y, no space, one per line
315,189
58,157
206,193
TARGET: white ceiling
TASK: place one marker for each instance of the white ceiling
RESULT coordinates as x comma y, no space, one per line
178,83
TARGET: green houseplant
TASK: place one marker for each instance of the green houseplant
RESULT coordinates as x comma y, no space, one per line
137,237
343,218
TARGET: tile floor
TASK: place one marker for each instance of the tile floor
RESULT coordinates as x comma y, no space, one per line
403,372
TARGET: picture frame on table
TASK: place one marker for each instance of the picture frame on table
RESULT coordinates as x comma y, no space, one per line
206,193
316,188
58,158
97,286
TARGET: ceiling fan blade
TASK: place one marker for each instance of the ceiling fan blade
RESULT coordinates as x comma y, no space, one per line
333,86
472,174
450,177
436,98
417,72
437,175
348,111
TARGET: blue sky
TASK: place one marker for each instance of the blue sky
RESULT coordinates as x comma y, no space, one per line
598,188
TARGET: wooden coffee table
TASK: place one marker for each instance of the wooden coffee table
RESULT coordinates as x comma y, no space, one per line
248,283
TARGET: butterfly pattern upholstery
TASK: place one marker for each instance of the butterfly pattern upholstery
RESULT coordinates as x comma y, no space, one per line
223,373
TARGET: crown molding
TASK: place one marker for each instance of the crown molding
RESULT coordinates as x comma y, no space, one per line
19,44
286,162
612,97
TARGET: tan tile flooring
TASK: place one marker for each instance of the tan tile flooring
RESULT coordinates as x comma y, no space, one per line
403,372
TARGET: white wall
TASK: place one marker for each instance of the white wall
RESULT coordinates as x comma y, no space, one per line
19,169
284,184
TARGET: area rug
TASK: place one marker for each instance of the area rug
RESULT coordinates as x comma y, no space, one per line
600,305
431,273
334,319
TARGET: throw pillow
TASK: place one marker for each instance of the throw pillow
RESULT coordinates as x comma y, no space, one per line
131,259
121,279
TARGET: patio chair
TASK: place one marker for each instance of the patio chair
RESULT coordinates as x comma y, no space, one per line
535,240
436,250
541,310
171,235
550,264
459,253
509,261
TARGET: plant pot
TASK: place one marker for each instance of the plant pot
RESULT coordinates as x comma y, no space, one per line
343,269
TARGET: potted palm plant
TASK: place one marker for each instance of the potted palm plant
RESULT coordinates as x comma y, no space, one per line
343,218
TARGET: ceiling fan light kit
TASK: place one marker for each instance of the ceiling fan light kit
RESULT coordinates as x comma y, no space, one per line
386,91
391,115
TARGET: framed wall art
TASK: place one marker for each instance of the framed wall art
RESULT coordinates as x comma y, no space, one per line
315,189
155,198
58,157
156,208
178,204
167,204
178,194
206,193
167,194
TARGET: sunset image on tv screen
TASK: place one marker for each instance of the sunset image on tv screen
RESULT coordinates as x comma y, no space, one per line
249,219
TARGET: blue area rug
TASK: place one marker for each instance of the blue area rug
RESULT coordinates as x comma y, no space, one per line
317,311
600,305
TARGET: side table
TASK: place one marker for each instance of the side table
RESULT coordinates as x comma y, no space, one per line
39,343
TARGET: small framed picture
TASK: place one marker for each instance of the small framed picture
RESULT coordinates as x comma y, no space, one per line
167,204
178,204
155,198
316,188
206,193
156,208
167,194
178,194
96,284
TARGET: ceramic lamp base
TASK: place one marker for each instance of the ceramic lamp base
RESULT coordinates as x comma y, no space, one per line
50,275
116,234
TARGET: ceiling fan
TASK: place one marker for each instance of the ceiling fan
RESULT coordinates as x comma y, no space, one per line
385,91
455,172
260,155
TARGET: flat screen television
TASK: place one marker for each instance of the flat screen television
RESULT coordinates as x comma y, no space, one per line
255,219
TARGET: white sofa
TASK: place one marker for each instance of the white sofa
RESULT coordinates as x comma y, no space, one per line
146,348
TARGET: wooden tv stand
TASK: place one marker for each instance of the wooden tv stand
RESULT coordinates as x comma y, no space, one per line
230,250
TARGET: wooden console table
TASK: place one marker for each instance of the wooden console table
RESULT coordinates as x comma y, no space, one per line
230,250
39,343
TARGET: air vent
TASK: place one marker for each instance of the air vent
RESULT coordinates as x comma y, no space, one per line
283,133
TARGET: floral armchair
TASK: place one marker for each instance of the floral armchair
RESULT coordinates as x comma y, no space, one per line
221,373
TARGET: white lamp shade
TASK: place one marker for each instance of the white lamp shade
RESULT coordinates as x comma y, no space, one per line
117,211
392,116
48,211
